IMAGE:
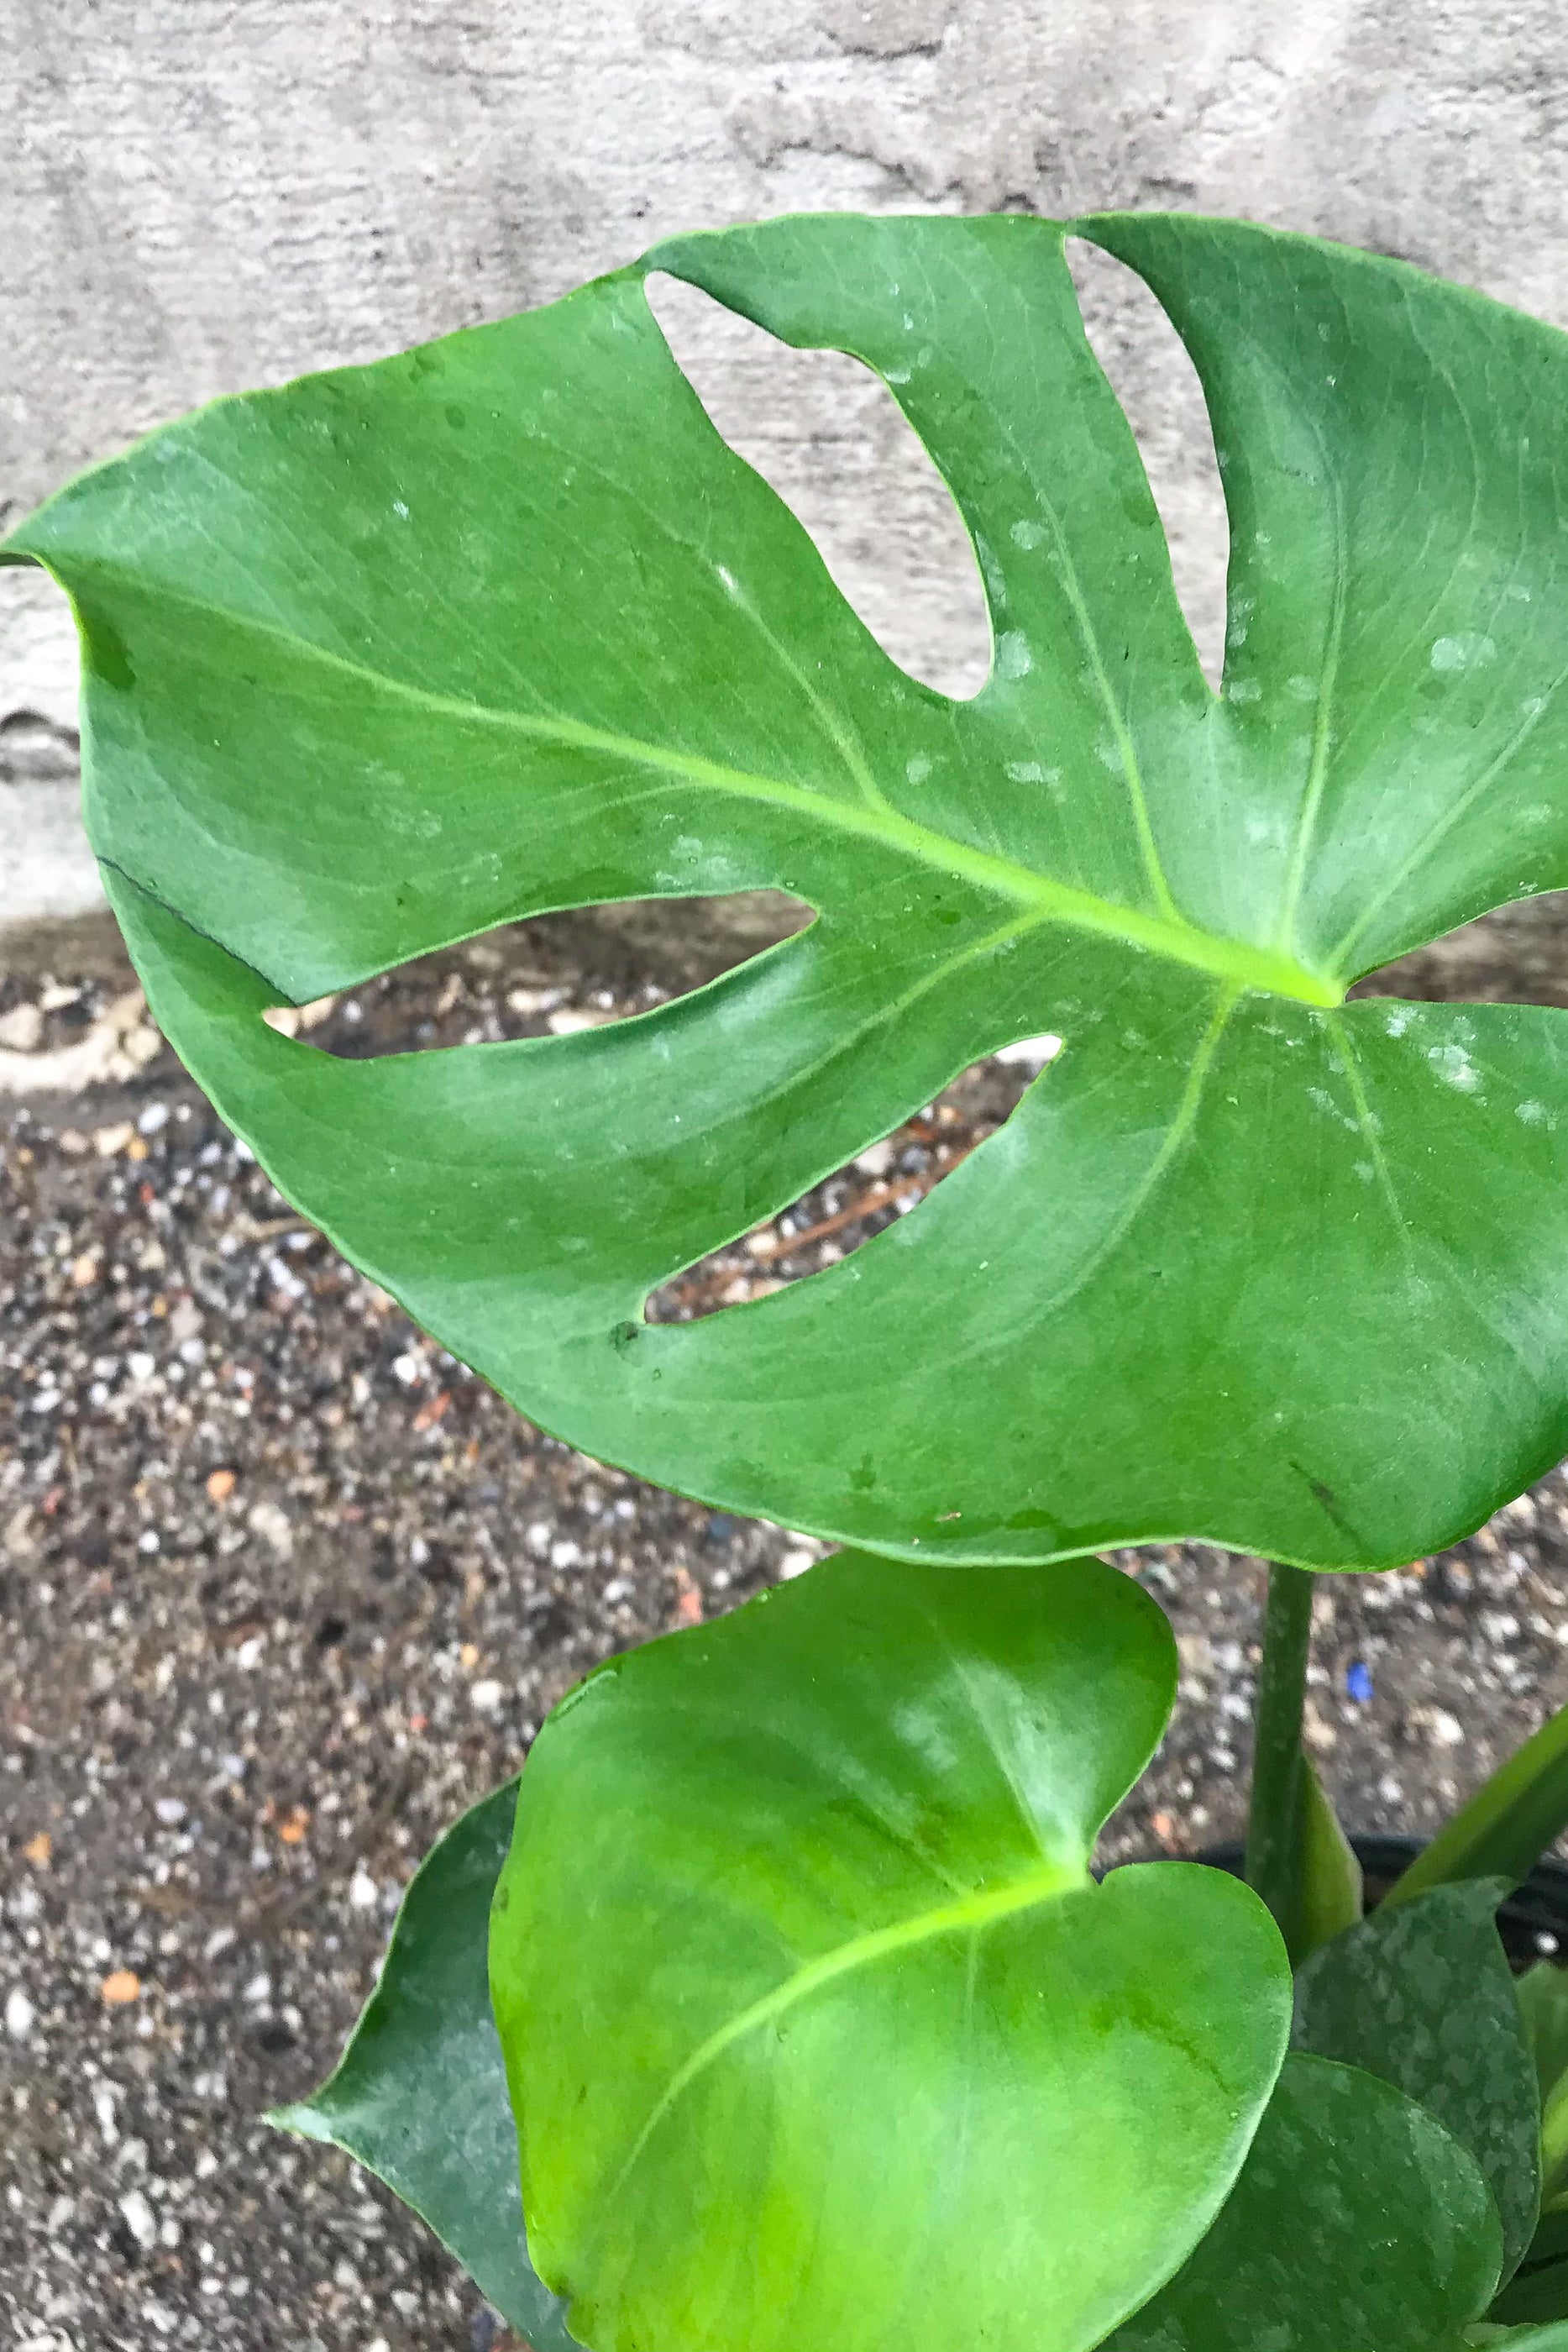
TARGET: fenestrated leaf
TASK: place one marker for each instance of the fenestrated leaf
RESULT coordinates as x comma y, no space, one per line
1357,2221
420,2095
818,2030
1422,1995
398,653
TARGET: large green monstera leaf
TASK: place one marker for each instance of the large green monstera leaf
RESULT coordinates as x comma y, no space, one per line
819,2030
399,652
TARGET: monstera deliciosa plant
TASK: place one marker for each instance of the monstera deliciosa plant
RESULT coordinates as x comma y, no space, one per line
820,2030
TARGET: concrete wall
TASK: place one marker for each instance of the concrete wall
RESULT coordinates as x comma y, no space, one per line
201,194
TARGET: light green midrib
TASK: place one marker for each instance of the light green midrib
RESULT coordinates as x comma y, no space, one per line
1168,936
969,1913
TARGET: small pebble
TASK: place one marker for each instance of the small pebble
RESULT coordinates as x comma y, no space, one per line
140,2219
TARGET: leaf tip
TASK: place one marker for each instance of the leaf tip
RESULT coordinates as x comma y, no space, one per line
304,2119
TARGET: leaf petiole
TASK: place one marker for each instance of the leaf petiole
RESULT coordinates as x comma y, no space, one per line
1274,1823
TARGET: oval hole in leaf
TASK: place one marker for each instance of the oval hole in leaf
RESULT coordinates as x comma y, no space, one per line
1150,375
550,975
885,1181
826,433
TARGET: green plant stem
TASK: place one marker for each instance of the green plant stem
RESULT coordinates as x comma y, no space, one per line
1274,1828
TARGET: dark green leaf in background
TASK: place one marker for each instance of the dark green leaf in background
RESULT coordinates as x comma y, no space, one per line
1538,2293
1358,2225
1543,1995
818,2033
1549,2243
1421,1994
396,654
420,2095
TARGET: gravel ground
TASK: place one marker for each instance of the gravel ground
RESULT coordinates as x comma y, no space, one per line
284,1588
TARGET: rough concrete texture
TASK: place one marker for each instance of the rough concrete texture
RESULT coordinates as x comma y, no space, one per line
200,197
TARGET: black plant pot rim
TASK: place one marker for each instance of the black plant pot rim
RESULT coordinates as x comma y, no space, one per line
1533,1921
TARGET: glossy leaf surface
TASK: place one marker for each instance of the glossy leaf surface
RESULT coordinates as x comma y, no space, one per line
395,653
420,2095
1357,2221
1422,1995
818,2031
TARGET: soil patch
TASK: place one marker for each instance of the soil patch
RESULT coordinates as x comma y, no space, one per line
284,1587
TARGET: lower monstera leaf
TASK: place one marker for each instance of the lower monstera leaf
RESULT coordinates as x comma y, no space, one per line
820,2035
